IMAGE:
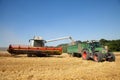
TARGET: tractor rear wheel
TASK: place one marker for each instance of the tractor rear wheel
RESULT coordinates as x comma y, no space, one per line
97,57
85,55
112,57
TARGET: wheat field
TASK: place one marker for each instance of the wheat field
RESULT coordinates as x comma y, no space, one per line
60,67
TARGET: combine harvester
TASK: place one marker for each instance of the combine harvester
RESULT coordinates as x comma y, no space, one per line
37,47
90,50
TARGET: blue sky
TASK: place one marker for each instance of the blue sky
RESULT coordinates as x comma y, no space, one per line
20,20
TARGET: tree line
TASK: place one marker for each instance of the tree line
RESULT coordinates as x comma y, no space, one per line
113,45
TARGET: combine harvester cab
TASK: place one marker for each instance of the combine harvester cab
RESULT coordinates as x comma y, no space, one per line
37,47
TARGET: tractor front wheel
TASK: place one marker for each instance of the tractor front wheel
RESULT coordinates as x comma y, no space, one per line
111,57
97,57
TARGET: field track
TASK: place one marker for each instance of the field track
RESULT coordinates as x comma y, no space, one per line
60,67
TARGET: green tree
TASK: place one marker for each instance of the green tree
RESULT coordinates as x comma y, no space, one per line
103,42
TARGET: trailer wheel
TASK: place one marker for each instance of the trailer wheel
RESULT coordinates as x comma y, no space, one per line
85,55
97,57
29,55
112,57
79,55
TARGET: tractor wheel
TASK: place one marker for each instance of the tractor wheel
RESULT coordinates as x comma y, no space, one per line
85,55
112,57
97,57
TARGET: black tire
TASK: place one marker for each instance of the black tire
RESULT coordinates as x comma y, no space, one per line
98,57
112,57
76,54
29,55
85,55
79,55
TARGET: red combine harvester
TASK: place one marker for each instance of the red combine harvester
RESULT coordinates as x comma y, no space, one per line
37,47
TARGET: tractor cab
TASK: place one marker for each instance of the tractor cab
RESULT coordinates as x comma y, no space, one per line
95,46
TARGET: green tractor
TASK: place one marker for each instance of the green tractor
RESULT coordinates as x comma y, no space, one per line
91,50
